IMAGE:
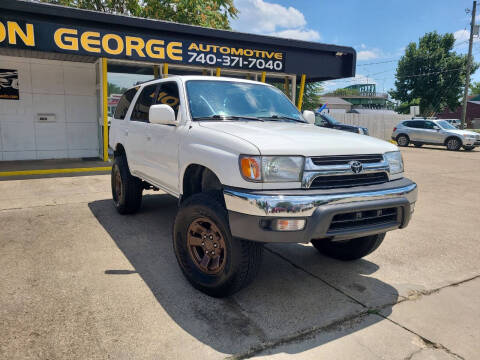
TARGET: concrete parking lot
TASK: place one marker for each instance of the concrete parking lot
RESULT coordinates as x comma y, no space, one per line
79,281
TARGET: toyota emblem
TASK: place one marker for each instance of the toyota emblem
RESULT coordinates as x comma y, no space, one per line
356,166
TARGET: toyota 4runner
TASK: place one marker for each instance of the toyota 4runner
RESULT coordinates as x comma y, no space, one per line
248,168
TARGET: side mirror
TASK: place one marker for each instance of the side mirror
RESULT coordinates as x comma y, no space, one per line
309,116
162,114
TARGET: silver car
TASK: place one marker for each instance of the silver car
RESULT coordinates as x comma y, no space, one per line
434,132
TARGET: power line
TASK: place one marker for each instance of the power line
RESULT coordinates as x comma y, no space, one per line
376,63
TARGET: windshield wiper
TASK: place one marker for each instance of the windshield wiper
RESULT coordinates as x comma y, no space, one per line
226,117
282,117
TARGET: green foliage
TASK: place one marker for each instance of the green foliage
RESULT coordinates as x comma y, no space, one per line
344,92
475,88
404,108
115,89
445,70
209,13
311,94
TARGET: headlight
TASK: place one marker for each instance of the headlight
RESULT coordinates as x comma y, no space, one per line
395,162
468,136
271,168
360,131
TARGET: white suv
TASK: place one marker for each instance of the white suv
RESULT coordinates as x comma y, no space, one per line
249,168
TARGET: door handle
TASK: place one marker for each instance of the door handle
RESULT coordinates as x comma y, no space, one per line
148,138
125,132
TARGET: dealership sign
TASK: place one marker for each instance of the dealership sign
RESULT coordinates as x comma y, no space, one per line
46,36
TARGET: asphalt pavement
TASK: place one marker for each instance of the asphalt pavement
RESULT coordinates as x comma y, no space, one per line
79,281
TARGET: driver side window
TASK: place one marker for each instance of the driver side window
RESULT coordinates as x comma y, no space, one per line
429,125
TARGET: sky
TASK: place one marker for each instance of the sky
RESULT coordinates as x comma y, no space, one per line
378,30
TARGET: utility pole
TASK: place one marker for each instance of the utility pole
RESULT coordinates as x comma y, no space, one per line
469,65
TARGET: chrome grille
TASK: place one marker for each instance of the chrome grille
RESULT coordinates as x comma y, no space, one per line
345,159
327,172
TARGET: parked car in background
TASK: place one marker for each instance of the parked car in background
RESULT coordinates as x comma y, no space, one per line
434,132
328,121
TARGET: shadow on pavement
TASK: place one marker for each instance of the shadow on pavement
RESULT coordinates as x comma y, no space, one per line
283,303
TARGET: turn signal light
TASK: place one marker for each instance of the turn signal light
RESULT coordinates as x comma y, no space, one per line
250,167
288,224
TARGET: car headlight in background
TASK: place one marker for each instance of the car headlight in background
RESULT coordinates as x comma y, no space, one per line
395,161
271,168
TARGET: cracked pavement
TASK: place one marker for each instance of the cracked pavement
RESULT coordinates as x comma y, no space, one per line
80,281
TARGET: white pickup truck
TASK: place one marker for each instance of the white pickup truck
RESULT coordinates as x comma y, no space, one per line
248,168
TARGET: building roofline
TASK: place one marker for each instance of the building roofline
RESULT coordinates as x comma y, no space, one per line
161,25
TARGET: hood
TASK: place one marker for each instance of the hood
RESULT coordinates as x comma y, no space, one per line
289,138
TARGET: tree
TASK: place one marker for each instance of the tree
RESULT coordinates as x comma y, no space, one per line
115,89
432,72
344,92
311,94
404,108
209,13
475,88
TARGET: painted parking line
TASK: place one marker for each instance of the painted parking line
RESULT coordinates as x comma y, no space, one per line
53,171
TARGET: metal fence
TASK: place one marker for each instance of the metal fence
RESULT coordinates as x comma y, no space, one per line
379,125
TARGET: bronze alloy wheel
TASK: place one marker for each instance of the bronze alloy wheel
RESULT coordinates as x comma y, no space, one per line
118,184
206,246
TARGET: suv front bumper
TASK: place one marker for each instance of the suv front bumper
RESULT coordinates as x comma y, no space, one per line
337,214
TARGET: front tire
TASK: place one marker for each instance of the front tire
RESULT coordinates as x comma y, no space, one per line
469,148
349,249
211,259
126,188
453,144
403,140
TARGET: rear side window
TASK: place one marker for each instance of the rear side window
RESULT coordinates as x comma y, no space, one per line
124,104
414,124
168,95
144,101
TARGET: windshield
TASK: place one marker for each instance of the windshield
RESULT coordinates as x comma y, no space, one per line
214,99
446,125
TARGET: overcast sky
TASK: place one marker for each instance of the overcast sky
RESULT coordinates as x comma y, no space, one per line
378,29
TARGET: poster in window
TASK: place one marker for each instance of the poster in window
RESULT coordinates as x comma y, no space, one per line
9,84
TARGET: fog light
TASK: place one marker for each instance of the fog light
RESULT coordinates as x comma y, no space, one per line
412,208
288,224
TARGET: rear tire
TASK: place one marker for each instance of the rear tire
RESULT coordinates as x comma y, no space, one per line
453,144
349,249
201,227
418,145
403,140
126,188
469,148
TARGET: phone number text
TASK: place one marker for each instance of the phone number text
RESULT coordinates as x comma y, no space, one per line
234,61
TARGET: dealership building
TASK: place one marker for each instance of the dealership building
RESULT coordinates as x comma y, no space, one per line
54,65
